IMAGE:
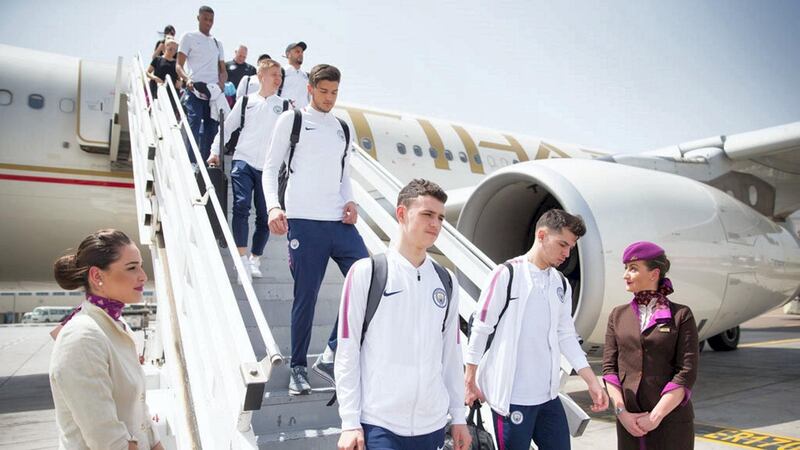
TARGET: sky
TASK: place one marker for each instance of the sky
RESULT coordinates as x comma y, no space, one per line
625,76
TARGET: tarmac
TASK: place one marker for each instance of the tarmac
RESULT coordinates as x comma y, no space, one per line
748,398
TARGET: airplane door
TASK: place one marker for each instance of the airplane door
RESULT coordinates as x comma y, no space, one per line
96,89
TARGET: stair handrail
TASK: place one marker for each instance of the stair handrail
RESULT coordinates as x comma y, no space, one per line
218,365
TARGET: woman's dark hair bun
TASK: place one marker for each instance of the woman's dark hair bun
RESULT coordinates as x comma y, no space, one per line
99,249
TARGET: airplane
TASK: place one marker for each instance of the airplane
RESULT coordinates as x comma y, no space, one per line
718,205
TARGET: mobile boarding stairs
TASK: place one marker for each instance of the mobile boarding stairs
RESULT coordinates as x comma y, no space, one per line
217,374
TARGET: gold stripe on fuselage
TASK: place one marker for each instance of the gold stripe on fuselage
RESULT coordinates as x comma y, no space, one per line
65,171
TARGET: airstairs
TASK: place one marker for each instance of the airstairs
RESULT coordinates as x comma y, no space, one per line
218,357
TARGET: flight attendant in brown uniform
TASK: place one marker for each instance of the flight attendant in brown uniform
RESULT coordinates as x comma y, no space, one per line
650,357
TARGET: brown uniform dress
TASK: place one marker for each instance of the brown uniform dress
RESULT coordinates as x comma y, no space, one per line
645,361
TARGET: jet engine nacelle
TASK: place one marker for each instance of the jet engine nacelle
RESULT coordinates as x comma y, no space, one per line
729,263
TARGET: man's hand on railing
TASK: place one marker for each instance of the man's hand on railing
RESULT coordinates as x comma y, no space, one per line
277,222
350,214
213,160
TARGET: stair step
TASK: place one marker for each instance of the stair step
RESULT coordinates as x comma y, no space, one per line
311,439
279,312
279,378
281,412
283,337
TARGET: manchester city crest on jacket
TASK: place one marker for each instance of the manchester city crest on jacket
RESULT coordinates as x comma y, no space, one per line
439,297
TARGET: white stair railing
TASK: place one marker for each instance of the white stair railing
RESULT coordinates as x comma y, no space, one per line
209,360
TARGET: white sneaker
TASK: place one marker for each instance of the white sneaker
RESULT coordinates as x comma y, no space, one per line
255,266
246,264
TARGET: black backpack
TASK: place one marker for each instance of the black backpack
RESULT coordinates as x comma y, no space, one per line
466,327
377,284
286,168
230,146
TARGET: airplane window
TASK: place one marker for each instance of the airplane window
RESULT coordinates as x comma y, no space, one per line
66,105
434,153
36,101
503,162
5,97
477,158
514,161
462,156
491,161
448,155
418,150
401,148
366,143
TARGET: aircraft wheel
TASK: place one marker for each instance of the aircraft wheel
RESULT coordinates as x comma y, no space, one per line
726,341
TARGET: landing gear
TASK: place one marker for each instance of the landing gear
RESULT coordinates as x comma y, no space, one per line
726,341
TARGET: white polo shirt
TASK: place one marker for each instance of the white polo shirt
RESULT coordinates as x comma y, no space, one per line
203,54
259,122
295,86
318,187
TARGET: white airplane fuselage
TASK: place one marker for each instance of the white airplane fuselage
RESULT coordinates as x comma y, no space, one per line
730,263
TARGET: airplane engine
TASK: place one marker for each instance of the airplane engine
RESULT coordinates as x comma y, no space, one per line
729,263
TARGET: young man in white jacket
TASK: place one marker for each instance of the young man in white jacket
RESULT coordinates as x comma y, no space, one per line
262,110
519,374
397,386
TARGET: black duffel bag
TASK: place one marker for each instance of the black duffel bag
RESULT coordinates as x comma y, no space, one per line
481,439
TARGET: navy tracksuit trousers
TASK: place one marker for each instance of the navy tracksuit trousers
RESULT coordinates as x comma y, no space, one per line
378,438
311,244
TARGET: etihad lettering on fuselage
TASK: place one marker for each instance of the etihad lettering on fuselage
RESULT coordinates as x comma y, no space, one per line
442,157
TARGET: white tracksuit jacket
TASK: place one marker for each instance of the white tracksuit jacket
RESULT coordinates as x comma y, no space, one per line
408,375
497,367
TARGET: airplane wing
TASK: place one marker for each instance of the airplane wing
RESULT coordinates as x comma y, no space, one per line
760,168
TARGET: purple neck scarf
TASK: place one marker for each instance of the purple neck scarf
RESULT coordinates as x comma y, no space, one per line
112,307
662,312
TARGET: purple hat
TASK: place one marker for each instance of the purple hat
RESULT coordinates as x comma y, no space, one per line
641,250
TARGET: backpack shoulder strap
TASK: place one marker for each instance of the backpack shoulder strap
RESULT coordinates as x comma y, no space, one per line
377,283
346,130
283,78
295,137
563,280
286,108
510,268
447,282
244,107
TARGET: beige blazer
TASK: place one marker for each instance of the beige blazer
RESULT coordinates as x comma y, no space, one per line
98,385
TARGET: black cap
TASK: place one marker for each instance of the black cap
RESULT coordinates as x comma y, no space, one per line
300,44
263,56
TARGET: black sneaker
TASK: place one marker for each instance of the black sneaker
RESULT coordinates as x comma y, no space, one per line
324,370
298,381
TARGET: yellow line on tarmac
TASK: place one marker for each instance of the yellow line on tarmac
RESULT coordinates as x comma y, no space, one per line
779,341
744,439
